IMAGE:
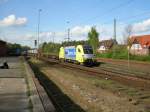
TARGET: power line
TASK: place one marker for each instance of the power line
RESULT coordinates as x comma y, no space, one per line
138,15
128,18
111,10
134,17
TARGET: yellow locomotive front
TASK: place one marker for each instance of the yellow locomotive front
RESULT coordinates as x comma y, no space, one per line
84,54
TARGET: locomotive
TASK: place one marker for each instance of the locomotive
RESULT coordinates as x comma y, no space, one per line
80,54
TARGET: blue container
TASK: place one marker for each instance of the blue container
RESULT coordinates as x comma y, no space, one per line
70,53
18,52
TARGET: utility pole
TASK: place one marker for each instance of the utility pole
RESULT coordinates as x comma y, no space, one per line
53,36
114,50
68,38
115,29
128,57
38,38
68,34
53,42
39,11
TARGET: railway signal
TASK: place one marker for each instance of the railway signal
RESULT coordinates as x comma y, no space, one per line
35,43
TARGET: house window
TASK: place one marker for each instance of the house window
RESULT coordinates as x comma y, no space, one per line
136,47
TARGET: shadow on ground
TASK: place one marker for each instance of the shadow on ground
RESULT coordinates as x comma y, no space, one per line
97,64
61,101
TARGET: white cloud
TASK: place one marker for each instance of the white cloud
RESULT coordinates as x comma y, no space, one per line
80,30
11,20
141,26
27,37
77,33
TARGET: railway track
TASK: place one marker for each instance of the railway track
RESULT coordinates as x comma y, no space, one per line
61,101
125,71
126,79
131,65
123,61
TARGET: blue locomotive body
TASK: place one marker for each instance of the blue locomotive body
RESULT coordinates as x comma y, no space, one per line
70,53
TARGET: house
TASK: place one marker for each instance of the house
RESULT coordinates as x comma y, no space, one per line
140,45
3,48
105,45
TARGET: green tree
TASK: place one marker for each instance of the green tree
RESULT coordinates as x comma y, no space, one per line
50,48
93,39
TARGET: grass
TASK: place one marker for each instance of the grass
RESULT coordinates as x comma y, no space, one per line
117,87
121,52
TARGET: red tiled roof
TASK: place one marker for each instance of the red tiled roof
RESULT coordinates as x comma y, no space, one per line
144,40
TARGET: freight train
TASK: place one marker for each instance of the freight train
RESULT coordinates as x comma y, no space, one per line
80,54
32,52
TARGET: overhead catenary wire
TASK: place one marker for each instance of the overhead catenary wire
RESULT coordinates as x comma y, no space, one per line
135,17
110,10
119,19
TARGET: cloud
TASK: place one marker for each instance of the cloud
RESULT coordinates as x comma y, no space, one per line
77,33
11,20
28,37
141,26
80,30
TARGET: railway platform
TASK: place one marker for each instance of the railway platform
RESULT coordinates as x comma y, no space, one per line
19,89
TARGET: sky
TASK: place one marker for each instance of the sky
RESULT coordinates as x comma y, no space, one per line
19,19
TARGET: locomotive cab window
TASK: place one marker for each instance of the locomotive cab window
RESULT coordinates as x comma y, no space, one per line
79,50
88,51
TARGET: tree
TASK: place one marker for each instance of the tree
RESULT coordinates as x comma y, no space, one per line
74,43
93,39
52,48
127,34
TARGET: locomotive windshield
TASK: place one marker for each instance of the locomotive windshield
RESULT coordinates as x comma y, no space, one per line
88,50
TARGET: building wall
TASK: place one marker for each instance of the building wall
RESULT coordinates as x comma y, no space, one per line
136,49
102,49
144,51
3,49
